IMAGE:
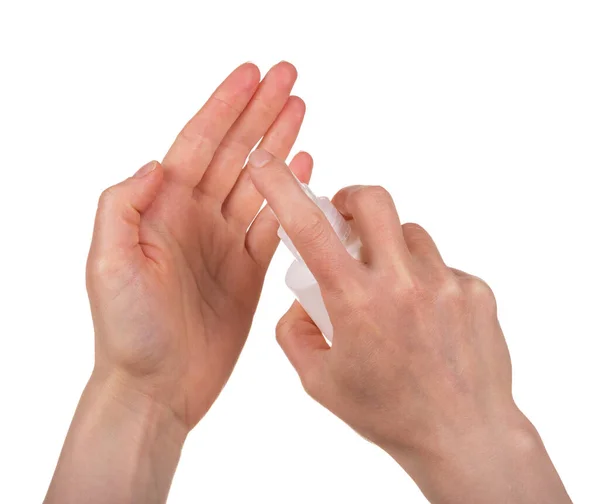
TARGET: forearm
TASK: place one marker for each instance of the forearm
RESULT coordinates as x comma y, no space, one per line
122,447
506,465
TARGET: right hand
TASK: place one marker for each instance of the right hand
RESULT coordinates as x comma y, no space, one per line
419,364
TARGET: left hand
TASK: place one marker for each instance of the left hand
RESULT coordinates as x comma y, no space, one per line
176,266
179,253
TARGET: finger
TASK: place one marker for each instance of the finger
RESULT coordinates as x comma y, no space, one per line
244,200
303,221
194,147
377,222
306,349
261,112
262,239
421,245
116,229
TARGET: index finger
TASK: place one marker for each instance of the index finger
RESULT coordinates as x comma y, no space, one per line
303,221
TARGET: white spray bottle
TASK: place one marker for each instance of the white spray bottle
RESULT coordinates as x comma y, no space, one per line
299,278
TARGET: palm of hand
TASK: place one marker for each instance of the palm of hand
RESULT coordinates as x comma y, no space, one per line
175,322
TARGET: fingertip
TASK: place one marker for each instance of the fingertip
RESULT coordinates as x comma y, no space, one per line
298,104
302,166
249,73
257,163
158,172
296,100
305,157
145,170
159,166
287,64
151,173
288,71
259,158
141,188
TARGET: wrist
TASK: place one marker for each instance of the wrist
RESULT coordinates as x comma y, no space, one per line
122,446
130,406
504,461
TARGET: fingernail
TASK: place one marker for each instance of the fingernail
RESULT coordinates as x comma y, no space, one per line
260,158
144,170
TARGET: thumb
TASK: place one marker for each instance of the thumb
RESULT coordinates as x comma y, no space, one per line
304,345
120,208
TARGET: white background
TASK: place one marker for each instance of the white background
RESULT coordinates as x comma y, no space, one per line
481,118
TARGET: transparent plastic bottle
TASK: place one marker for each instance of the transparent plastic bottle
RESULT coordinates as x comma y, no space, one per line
301,281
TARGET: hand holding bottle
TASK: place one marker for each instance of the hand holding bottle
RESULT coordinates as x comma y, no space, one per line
419,364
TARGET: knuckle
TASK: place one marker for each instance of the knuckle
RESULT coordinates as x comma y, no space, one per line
311,382
102,270
283,329
378,192
416,236
98,267
369,195
480,292
412,229
198,143
312,230
405,288
226,104
450,291
107,197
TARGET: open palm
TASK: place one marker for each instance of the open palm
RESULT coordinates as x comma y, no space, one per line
180,252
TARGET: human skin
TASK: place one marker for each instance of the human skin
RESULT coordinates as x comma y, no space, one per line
174,274
419,364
